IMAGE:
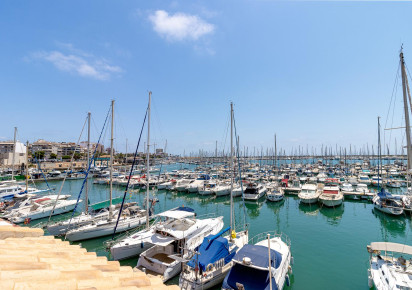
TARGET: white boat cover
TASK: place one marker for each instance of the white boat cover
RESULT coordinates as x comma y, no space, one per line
160,240
391,247
176,214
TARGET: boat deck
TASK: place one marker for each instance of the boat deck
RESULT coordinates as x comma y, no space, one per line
163,258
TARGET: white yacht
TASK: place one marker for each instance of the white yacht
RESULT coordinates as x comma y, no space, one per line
388,268
182,184
41,208
195,185
363,188
136,243
208,188
237,190
385,202
376,180
180,239
222,189
364,179
331,196
274,193
99,211
131,218
213,260
347,187
254,191
309,193
9,190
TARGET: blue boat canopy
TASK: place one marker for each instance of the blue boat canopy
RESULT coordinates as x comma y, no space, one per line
184,208
259,256
212,249
250,278
384,194
204,177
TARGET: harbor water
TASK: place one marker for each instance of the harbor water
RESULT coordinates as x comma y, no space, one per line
328,244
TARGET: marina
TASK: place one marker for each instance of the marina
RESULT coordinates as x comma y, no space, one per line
319,235
274,152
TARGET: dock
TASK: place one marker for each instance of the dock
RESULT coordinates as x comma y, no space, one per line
30,260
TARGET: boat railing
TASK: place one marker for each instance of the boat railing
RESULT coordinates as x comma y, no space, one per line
241,227
273,234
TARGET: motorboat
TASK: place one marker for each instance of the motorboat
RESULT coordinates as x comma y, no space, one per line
364,179
179,240
331,196
254,191
274,193
309,193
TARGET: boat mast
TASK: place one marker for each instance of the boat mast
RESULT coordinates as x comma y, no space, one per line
276,154
14,153
379,151
231,168
111,163
270,264
27,167
86,205
405,106
148,162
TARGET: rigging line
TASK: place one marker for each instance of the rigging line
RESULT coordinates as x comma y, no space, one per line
393,110
240,173
119,122
130,175
65,176
394,94
87,172
407,86
157,120
41,171
393,90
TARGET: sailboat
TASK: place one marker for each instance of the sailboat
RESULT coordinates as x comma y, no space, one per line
213,260
384,201
264,263
388,268
131,218
165,258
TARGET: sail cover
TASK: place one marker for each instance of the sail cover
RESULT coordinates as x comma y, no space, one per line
258,256
210,252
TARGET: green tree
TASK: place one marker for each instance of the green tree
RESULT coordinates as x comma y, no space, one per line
120,157
53,156
77,156
65,157
39,154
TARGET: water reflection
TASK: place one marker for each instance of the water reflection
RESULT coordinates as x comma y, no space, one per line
393,225
309,209
275,206
333,214
253,208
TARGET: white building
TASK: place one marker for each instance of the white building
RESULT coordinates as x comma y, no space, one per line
6,153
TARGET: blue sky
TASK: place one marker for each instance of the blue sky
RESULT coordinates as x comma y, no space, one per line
312,72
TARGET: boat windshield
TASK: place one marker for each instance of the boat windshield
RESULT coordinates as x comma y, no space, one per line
308,191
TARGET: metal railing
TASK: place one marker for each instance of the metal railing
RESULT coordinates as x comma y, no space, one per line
273,234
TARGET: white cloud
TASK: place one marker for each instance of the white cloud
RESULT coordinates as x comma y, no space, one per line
77,62
179,26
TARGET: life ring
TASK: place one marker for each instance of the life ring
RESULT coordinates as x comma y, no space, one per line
209,267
